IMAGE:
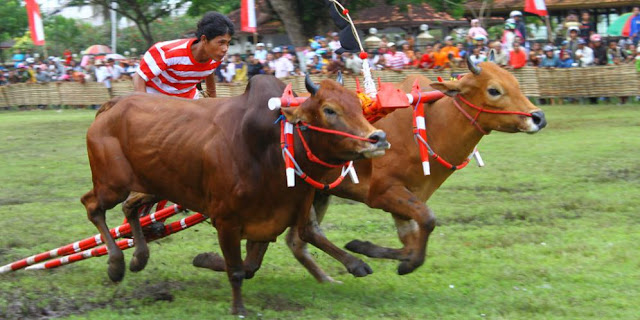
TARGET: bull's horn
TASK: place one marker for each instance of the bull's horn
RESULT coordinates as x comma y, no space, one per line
474,69
311,87
492,56
339,78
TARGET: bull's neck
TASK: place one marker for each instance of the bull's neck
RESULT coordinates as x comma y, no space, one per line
449,133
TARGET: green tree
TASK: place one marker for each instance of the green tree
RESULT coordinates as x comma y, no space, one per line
142,12
65,33
163,30
14,19
200,7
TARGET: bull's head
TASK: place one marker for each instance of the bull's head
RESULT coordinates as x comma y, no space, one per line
493,88
333,107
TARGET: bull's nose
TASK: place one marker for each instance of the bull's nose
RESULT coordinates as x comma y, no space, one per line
379,138
539,119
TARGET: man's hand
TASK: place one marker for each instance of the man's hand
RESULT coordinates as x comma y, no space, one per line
139,84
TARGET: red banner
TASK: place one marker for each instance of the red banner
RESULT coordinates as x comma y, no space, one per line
35,22
248,16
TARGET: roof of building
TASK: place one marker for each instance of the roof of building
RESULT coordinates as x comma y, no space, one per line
381,14
500,6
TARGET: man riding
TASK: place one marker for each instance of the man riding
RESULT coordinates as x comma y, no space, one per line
175,67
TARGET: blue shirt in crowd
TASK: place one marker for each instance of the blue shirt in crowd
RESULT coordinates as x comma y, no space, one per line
552,62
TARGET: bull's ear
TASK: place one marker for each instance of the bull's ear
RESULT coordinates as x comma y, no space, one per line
293,114
450,88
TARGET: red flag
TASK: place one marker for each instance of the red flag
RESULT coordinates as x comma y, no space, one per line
35,22
248,16
536,7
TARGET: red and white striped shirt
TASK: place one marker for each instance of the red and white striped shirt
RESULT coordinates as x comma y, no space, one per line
169,68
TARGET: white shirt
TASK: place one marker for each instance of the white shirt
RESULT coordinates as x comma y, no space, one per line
229,72
283,67
104,75
261,55
586,56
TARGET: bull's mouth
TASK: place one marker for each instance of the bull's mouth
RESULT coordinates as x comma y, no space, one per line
376,150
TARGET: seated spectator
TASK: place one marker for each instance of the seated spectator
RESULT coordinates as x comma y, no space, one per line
584,54
550,60
42,76
440,60
411,55
566,61
500,57
517,57
269,64
229,69
282,66
241,69
451,52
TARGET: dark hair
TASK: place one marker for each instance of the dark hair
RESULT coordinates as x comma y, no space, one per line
214,24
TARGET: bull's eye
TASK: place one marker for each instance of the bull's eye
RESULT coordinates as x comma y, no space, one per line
494,92
329,111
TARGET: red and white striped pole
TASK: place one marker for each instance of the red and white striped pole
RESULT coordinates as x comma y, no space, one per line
124,244
90,242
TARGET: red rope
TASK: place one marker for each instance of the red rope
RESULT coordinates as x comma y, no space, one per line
313,157
340,133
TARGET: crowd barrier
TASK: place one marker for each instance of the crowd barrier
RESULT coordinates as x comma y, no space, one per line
608,81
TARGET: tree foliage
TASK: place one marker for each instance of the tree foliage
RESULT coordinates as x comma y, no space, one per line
142,12
200,7
14,19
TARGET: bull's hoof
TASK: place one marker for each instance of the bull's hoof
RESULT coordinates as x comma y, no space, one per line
239,310
359,269
329,279
138,262
209,260
358,246
116,269
406,267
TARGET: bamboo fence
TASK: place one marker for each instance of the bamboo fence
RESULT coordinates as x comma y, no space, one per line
608,81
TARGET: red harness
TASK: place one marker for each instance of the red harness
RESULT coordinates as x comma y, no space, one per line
286,143
420,133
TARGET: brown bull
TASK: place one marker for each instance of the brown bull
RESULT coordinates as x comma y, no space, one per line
395,183
221,157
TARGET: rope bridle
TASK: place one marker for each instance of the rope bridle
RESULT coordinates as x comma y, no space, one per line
287,154
473,120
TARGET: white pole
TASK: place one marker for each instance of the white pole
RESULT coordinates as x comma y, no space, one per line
114,26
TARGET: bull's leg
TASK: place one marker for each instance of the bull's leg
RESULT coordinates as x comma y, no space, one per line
130,208
96,206
252,263
414,223
299,247
229,238
310,232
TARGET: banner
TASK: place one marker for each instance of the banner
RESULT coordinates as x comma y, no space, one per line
35,22
248,16
536,7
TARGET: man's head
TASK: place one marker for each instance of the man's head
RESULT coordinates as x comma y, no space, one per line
516,46
392,47
636,11
497,46
260,46
573,32
515,15
548,51
214,32
596,39
448,40
581,43
586,16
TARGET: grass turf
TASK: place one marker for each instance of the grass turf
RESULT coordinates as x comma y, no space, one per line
547,230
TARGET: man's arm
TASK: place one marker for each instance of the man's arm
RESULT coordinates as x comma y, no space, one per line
210,80
139,85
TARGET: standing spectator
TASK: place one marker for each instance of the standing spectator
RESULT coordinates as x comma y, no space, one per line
584,54
566,61
508,35
476,30
634,31
352,63
614,54
42,76
519,24
550,60
451,52
270,64
599,51
241,69
334,44
570,22
395,60
103,74
261,52
587,27
116,70
535,54
638,59
572,45
254,67
476,56
282,66
500,57
411,55
426,61
229,69
315,65
517,57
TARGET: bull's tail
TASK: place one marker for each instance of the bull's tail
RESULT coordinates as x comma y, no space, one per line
108,105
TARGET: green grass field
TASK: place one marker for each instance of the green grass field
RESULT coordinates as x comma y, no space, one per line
549,229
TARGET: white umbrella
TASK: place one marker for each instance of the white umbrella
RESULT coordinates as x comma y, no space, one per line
114,56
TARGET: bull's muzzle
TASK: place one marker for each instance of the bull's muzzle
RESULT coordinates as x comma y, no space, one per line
378,146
